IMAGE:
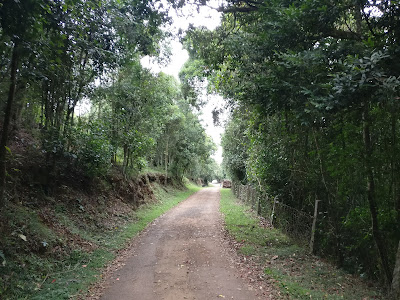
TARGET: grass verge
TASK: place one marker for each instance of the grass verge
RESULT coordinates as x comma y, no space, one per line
287,266
41,276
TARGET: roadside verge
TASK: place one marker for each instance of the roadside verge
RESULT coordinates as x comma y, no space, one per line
91,245
286,266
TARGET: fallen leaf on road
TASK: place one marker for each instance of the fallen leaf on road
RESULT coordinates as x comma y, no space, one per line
23,237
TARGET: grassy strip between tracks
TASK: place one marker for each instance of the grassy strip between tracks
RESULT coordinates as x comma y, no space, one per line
287,266
45,277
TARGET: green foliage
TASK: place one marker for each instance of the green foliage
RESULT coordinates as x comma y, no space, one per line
313,87
288,267
95,151
28,232
193,81
234,143
67,52
45,275
74,275
243,225
150,124
183,145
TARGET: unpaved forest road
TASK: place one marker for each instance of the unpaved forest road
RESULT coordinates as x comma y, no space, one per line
181,256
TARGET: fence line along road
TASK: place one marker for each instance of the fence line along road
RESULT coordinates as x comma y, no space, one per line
296,223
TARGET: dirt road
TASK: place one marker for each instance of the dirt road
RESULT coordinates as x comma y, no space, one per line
180,256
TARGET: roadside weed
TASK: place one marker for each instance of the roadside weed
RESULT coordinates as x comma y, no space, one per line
287,266
69,273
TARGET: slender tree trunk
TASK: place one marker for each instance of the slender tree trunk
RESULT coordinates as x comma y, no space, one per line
18,106
378,237
6,123
392,158
321,166
125,161
166,162
394,167
396,276
99,112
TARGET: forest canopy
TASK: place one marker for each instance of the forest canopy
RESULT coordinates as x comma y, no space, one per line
313,86
66,52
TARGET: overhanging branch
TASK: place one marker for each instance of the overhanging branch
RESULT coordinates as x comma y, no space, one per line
245,6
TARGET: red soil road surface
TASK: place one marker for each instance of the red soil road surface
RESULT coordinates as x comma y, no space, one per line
181,256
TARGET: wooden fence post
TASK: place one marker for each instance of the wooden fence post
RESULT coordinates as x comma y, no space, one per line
273,211
258,204
313,226
253,198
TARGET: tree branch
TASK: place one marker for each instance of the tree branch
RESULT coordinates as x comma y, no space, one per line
242,6
342,34
234,9
367,20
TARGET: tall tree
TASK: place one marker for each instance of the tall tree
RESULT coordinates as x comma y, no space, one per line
20,36
58,52
317,79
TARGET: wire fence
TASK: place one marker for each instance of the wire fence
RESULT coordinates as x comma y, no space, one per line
298,224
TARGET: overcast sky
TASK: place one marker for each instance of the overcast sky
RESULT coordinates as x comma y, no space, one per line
205,17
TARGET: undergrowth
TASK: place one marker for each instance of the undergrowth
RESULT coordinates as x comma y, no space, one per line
43,274
289,267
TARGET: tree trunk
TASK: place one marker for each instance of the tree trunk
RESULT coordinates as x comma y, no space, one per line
18,106
394,167
379,240
166,162
6,123
396,276
125,161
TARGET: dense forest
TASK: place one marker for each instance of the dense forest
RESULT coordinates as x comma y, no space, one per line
68,52
313,86
67,178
